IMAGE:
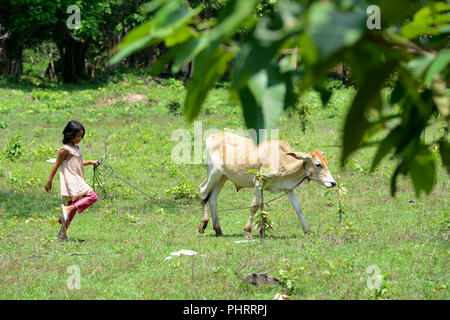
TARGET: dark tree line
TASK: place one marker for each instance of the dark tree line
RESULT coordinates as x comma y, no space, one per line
83,52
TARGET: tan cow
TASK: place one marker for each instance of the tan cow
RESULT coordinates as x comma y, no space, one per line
230,157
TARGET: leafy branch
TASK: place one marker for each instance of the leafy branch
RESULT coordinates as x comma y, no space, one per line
268,72
261,218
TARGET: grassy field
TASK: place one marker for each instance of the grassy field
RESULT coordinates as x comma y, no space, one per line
120,245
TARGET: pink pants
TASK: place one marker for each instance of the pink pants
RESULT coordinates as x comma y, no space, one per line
81,204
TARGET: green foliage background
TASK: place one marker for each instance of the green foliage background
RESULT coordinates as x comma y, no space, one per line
316,35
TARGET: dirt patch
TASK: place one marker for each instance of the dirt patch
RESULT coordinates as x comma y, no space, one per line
260,278
129,98
134,98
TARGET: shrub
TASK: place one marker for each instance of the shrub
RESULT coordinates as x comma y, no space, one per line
14,150
173,83
184,190
174,107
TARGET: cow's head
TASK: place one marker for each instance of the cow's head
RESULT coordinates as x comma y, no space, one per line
316,166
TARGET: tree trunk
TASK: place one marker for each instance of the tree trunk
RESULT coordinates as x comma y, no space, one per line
52,65
72,52
150,56
344,75
11,56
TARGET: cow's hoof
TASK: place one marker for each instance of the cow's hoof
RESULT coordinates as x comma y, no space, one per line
248,236
201,228
219,233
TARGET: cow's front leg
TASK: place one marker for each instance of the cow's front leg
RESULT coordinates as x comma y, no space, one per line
253,209
293,199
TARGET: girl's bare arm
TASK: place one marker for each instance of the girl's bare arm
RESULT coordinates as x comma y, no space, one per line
61,155
93,162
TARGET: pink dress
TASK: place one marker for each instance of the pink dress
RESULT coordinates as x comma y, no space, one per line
71,175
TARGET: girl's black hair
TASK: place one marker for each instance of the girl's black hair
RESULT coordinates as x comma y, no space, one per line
71,130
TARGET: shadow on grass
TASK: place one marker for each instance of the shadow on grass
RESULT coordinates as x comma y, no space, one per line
18,204
144,205
27,86
240,236
72,240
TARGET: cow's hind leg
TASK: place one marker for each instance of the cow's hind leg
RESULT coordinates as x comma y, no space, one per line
212,178
253,209
213,204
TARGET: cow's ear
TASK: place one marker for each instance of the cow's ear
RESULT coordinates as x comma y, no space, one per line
300,155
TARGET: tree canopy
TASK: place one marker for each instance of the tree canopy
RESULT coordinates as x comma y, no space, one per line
26,24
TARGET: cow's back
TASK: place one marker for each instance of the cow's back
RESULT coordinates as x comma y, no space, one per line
234,155
273,154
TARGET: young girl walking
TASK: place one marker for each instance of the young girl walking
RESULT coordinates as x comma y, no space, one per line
78,194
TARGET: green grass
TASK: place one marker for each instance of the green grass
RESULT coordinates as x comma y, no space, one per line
128,238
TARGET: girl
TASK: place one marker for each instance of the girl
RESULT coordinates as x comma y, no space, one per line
74,189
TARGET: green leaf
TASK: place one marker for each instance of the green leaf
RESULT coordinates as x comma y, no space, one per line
401,169
387,144
428,21
234,13
188,51
393,12
368,97
133,41
413,30
251,58
253,116
208,68
158,66
439,63
332,30
152,5
418,65
422,170
436,7
325,95
269,92
444,150
168,21
265,42
398,93
440,97
180,35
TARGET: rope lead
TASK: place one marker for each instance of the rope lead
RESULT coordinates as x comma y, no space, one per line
105,170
